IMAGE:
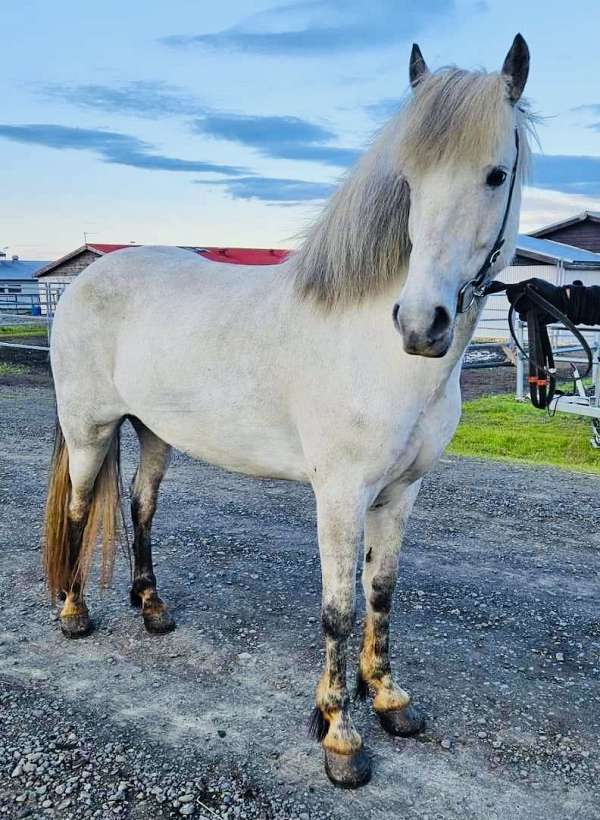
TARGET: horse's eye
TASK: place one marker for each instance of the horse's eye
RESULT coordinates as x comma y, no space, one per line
496,177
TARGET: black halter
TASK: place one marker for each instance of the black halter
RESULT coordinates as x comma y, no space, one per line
476,288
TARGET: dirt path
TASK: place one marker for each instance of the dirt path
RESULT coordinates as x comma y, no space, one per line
496,632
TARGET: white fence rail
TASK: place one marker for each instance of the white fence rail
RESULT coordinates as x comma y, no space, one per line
32,309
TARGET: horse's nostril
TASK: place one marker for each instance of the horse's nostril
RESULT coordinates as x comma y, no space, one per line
396,316
440,324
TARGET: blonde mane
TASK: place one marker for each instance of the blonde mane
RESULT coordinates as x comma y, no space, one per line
360,243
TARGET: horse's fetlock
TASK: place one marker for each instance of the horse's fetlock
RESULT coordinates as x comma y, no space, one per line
341,736
150,601
143,583
389,697
332,700
374,667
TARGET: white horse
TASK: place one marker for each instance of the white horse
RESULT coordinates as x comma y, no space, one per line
297,370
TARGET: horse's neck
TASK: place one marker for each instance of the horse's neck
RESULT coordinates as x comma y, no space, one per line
464,328
370,323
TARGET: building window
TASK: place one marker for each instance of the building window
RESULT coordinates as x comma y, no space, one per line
14,290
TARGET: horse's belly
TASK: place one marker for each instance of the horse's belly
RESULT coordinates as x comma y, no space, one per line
268,449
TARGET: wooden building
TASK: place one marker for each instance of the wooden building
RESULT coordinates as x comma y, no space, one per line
53,277
580,231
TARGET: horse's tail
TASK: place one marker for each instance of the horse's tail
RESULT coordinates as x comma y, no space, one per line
104,514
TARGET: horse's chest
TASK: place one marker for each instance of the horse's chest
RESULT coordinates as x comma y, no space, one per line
420,440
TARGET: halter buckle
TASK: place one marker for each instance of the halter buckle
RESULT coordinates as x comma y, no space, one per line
495,255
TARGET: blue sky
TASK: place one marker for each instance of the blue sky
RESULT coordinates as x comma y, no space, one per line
228,124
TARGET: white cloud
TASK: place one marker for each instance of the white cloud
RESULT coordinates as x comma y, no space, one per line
542,207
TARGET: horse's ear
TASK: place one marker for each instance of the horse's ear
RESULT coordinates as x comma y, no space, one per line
516,68
417,67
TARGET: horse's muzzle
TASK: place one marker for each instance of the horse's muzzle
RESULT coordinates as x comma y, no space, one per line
434,342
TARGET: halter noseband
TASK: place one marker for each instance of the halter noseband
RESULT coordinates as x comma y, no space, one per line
476,288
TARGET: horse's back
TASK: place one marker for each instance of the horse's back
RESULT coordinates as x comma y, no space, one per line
127,288
155,272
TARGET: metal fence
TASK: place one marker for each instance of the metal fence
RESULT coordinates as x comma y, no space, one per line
565,350
20,304
30,310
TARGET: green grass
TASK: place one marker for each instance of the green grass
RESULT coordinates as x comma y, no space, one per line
6,331
499,427
7,369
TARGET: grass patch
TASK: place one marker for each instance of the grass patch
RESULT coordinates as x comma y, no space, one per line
501,428
7,369
6,331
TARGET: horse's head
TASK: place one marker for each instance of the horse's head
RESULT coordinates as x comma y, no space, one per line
462,142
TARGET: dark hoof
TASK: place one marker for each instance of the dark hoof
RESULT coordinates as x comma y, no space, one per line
159,621
76,626
403,722
348,771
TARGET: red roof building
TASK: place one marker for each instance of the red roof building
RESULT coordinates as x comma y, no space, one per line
70,265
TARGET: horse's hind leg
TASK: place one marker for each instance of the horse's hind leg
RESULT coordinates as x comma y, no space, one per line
384,530
154,459
89,469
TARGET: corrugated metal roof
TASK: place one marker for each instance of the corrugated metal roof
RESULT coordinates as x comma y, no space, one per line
19,269
548,250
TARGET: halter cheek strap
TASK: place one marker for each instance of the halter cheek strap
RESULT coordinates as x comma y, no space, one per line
477,286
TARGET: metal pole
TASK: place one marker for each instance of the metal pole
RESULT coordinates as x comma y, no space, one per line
520,362
47,288
596,367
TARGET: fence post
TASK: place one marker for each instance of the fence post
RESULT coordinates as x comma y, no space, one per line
520,393
48,310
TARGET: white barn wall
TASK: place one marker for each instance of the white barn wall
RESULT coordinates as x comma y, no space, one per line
494,318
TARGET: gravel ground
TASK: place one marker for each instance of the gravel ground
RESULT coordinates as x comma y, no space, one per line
487,381
496,632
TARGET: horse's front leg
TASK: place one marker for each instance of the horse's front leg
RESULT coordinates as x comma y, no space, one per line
340,525
384,530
